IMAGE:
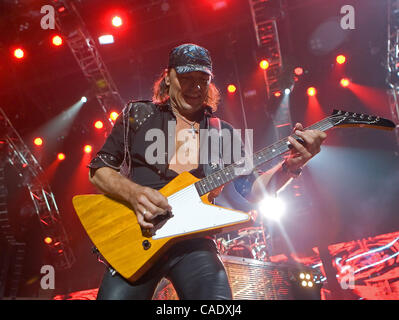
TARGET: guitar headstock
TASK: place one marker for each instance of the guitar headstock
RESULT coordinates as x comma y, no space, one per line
340,118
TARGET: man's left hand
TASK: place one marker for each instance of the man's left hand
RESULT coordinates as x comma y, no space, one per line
302,153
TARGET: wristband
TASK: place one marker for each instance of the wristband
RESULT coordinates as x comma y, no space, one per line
293,174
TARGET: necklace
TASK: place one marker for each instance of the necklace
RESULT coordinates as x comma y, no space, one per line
192,124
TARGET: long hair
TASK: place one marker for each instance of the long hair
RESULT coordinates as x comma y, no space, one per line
161,92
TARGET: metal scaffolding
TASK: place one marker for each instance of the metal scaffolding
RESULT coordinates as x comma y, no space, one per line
265,24
87,55
11,264
28,168
393,61
266,16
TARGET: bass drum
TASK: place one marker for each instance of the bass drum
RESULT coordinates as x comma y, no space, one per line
240,250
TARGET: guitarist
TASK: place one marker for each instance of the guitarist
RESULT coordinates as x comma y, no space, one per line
184,96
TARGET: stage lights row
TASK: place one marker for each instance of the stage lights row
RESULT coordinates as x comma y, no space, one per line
298,71
99,125
19,53
56,40
61,156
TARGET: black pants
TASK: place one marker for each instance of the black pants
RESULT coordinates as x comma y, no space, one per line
193,267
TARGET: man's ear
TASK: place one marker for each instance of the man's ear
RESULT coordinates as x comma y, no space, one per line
167,80
167,77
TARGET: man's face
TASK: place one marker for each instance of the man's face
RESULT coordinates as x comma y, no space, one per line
188,91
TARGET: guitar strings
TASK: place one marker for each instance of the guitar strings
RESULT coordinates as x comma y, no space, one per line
279,146
265,154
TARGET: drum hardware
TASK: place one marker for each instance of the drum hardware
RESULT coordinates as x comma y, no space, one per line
250,243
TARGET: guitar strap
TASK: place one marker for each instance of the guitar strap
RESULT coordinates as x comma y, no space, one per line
215,123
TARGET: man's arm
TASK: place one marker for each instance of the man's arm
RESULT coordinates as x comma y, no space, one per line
147,203
277,178
270,182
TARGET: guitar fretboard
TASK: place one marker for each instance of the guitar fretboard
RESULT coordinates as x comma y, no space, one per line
233,171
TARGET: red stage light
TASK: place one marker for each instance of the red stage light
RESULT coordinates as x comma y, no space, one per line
56,40
98,124
277,94
311,91
341,59
231,88
117,21
61,156
218,4
298,71
19,53
113,115
38,141
48,240
264,64
345,82
88,148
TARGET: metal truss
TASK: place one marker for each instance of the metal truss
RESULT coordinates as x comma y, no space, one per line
5,225
265,16
84,49
10,269
393,61
266,32
28,168
265,24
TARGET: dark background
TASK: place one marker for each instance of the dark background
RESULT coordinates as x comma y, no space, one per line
350,189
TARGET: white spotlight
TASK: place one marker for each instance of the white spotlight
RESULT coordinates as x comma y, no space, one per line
272,208
106,39
287,91
83,99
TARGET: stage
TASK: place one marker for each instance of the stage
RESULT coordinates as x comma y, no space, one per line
71,68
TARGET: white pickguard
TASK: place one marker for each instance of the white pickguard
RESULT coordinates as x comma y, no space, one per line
190,214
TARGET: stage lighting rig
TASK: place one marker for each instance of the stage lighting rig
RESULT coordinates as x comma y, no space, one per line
231,88
341,59
113,115
87,55
44,204
106,39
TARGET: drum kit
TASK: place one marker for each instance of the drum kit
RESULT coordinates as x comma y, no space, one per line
249,243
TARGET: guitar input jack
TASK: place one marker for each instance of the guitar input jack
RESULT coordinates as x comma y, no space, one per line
146,244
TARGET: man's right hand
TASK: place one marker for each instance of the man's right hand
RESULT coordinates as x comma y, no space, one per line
147,204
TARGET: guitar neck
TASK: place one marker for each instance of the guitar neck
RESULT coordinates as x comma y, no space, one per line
233,171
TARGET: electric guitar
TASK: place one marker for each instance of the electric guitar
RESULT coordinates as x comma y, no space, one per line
130,250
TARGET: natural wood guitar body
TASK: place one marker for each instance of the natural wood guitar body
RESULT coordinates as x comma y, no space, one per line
113,228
